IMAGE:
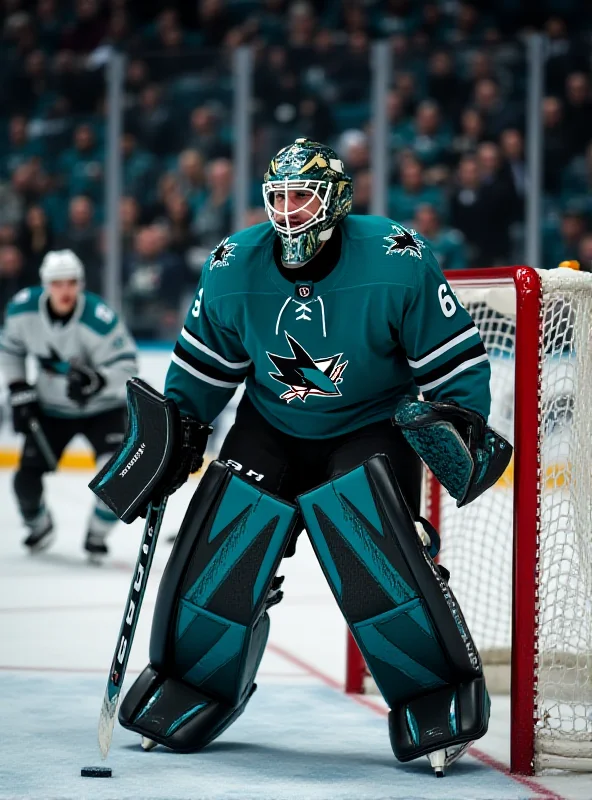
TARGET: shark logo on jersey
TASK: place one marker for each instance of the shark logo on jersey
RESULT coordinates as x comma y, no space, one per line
305,375
53,363
222,253
403,241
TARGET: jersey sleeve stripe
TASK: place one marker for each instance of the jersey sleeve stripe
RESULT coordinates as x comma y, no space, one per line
467,332
207,369
115,359
199,345
444,368
456,371
206,378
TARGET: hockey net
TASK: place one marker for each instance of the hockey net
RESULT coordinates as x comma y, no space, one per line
520,556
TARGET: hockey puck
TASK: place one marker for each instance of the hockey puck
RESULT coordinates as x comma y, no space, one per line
96,772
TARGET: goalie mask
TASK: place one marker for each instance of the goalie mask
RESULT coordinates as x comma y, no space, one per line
306,193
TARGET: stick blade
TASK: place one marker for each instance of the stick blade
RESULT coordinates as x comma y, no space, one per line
107,723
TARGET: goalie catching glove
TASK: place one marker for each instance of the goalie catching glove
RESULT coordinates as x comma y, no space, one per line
465,455
160,450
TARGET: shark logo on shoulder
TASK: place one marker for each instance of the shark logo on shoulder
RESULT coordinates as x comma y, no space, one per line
305,375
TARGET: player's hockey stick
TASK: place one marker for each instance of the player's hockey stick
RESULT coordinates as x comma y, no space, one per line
128,625
41,441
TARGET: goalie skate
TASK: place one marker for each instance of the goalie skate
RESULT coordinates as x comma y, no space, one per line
440,760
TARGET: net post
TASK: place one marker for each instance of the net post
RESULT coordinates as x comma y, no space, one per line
355,672
527,479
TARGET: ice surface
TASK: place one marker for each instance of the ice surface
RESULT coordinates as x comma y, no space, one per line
300,737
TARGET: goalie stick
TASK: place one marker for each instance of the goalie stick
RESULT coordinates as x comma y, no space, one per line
127,630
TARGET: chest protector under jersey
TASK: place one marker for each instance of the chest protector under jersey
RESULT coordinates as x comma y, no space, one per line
321,359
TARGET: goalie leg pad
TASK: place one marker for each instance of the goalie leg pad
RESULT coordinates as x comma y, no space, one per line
398,606
210,624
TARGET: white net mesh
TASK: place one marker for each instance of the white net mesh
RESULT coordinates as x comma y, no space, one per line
477,541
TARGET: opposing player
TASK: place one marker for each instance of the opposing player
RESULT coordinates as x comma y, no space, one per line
337,323
84,355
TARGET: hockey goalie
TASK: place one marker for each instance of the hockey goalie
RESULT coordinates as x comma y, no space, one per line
359,363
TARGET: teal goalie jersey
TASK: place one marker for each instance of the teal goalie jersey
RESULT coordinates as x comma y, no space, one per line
321,359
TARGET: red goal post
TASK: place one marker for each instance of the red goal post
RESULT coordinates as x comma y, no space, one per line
537,327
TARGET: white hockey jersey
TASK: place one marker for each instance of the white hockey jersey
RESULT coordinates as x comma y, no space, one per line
93,335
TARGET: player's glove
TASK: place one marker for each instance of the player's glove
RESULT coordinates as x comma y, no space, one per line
24,404
464,454
83,383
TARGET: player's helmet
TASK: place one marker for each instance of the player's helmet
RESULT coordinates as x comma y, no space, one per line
315,170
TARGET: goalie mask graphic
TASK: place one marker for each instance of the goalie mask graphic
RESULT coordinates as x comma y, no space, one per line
305,375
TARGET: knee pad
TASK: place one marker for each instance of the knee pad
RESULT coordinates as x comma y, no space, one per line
396,601
210,624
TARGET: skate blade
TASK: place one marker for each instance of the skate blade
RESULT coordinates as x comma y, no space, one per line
97,559
148,744
440,760
42,544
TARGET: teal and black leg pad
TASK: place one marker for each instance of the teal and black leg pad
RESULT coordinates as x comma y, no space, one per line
210,624
397,603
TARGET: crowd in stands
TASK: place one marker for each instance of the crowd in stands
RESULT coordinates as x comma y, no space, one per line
456,111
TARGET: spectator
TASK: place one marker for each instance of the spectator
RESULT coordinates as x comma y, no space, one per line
564,54
12,206
182,240
213,221
447,244
585,253
400,126
21,148
314,119
352,74
362,192
563,243
190,178
154,280
151,122
466,214
87,30
11,274
82,236
81,167
412,192
512,148
443,85
205,134
354,150
139,170
80,86
577,181
35,238
49,25
555,146
429,141
498,208
497,114
129,218
470,136
578,112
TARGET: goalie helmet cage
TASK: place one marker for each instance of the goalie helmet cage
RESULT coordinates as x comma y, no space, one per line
520,556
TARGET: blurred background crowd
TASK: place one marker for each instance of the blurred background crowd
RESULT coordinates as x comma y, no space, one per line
455,106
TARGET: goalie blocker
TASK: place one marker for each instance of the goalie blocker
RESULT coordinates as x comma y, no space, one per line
159,451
